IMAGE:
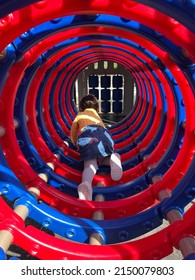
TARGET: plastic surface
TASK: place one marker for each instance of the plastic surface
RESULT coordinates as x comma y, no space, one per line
44,46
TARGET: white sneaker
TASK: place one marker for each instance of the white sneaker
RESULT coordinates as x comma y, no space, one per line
116,167
85,191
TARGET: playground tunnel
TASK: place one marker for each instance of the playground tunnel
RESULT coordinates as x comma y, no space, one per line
138,58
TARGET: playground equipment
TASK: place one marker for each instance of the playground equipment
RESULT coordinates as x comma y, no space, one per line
44,45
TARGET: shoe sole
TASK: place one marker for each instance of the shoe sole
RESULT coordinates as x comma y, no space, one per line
115,166
84,192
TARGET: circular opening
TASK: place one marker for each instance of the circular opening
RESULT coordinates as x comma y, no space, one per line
114,87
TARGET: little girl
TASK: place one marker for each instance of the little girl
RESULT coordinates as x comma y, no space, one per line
94,143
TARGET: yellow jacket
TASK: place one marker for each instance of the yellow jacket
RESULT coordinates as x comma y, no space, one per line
87,117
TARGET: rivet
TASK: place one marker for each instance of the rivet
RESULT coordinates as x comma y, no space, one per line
123,235
70,233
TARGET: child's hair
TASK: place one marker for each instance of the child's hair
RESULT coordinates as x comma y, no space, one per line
88,101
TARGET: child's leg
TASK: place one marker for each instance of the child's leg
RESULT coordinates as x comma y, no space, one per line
115,165
90,169
85,188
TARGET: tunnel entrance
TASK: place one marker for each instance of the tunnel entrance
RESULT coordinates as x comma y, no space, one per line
112,84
